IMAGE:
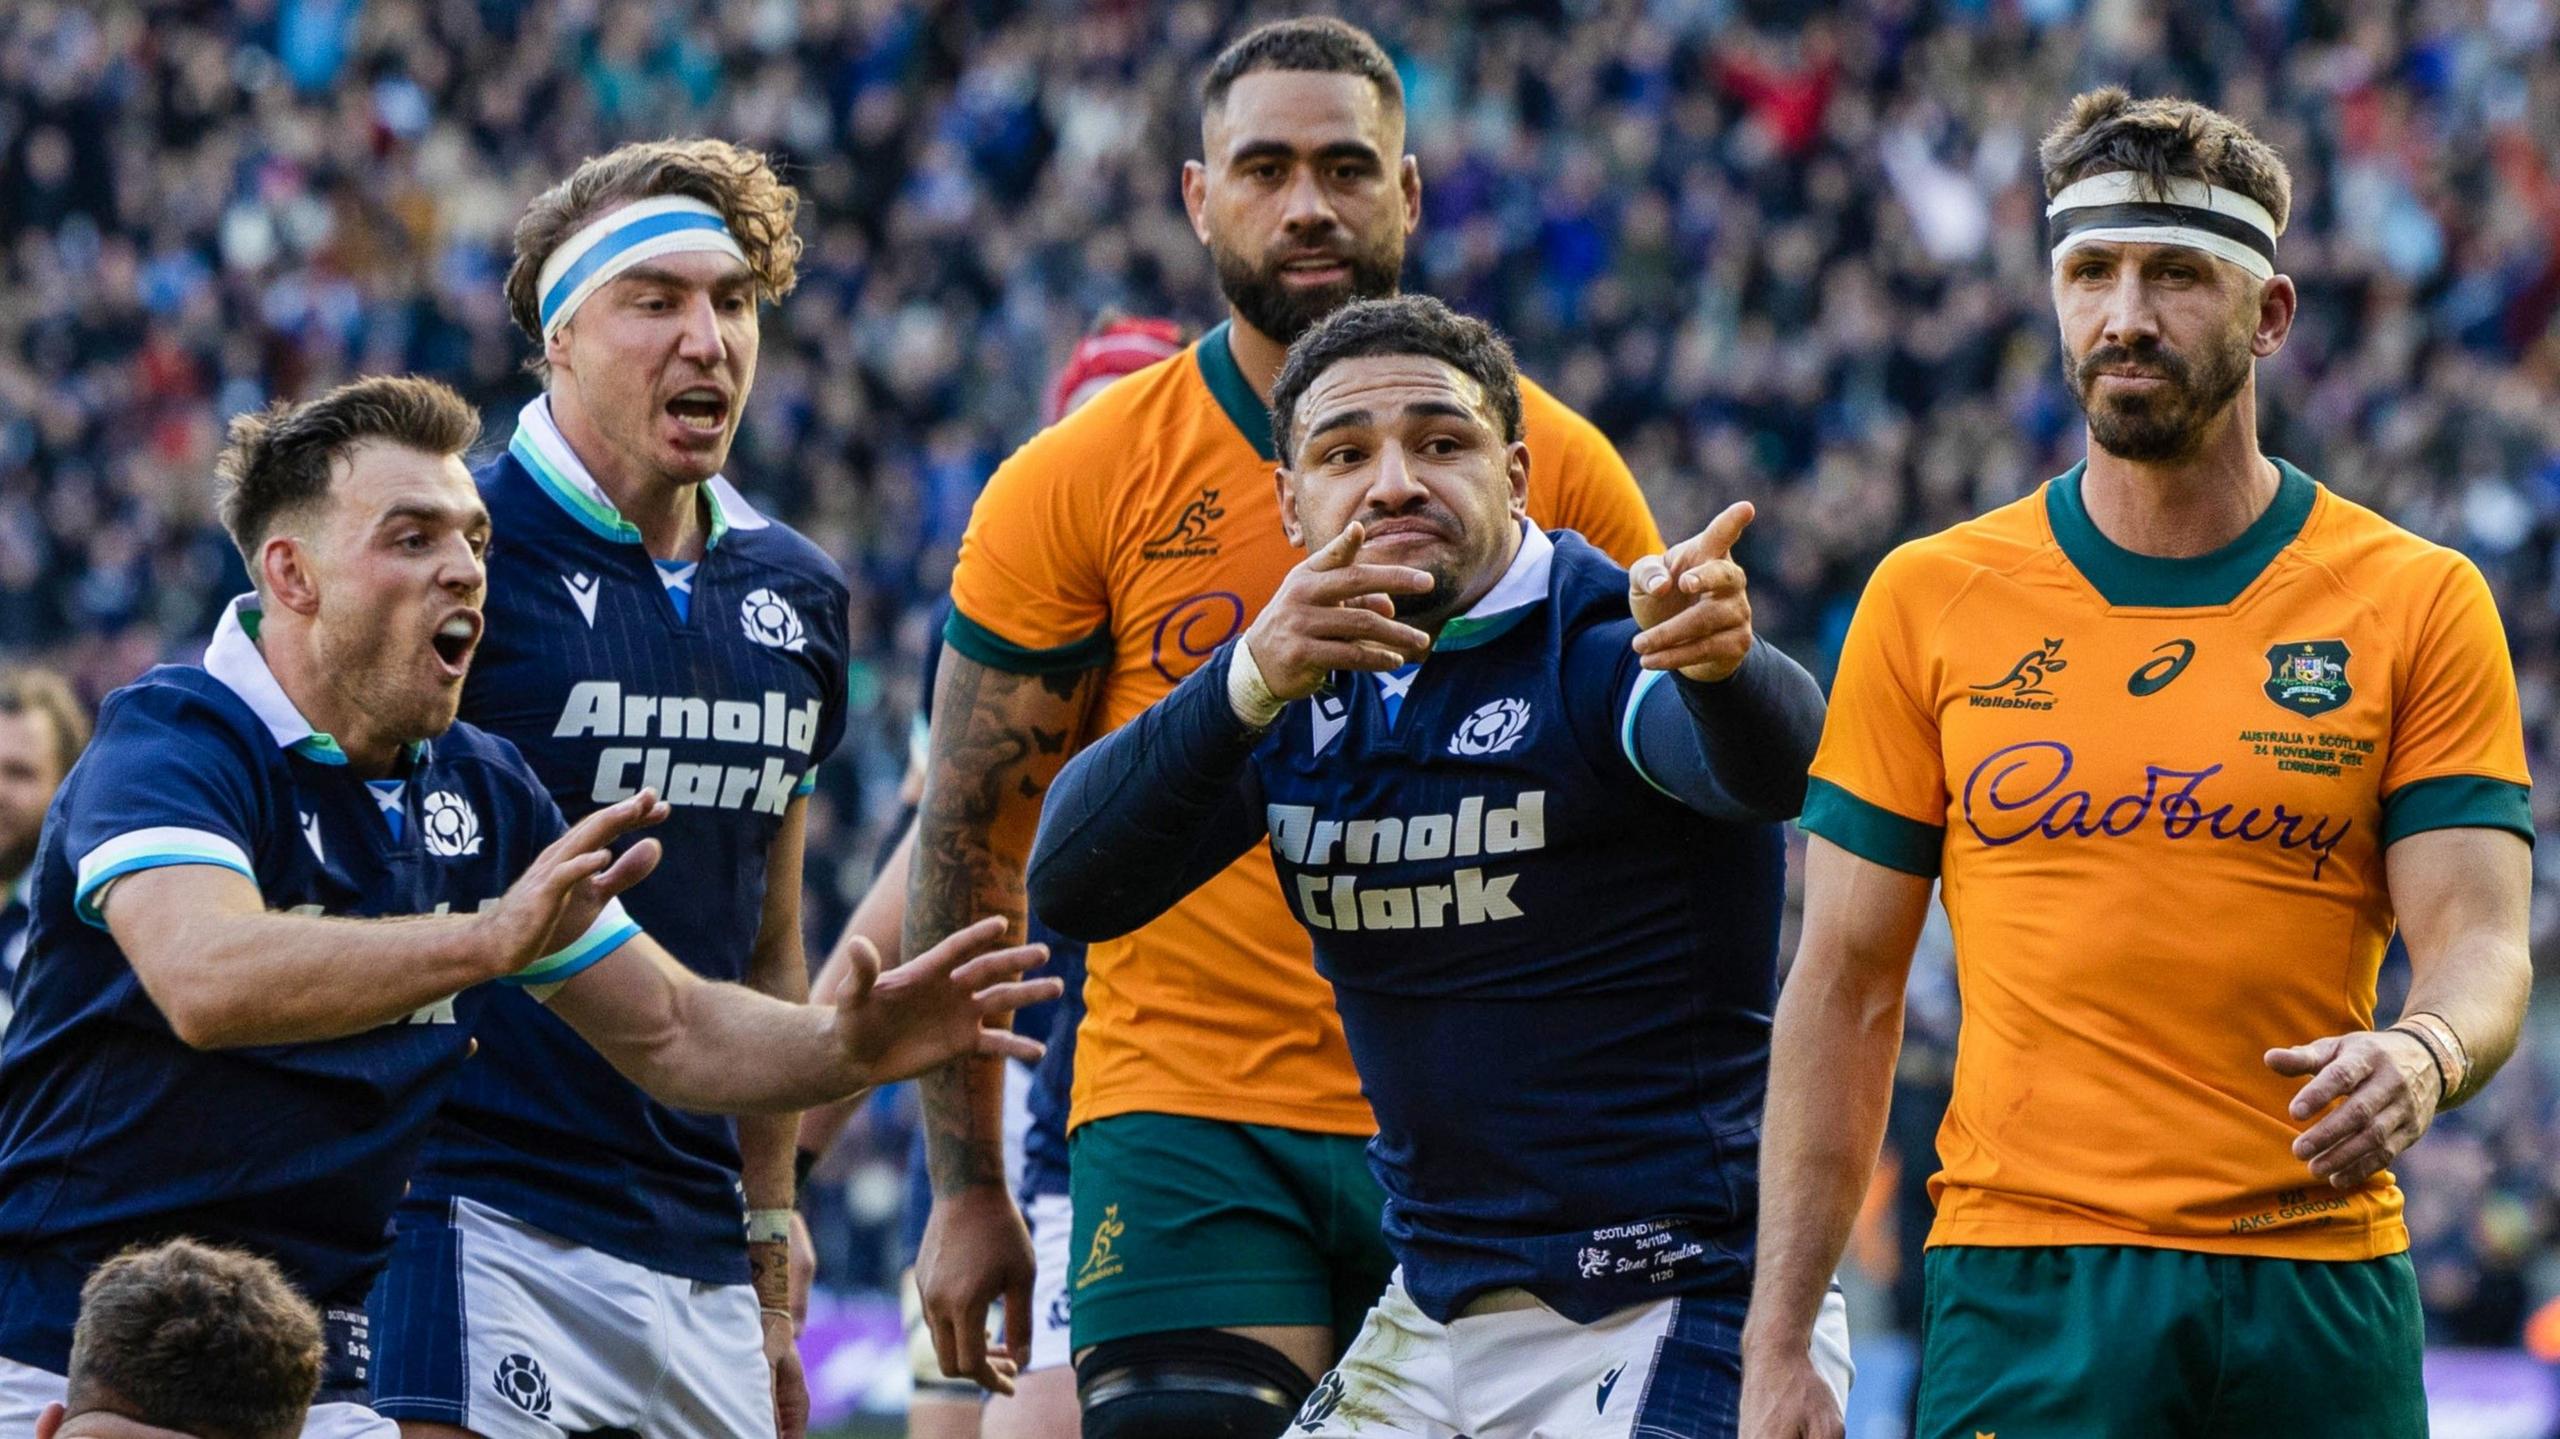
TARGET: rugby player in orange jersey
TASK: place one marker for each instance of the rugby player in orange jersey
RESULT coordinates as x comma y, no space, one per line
2182,736
1225,1228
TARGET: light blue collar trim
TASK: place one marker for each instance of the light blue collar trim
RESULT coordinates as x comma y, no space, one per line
235,659
1521,587
545,454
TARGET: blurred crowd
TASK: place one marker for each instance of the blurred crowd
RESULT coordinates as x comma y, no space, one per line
1784,251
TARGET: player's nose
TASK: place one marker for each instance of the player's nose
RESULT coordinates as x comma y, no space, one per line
2131,314
699,338
1307,211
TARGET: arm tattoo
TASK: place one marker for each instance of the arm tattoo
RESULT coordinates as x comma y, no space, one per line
998,741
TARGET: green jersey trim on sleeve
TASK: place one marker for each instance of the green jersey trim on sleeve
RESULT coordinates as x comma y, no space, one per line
2457,801
975,641
1871,832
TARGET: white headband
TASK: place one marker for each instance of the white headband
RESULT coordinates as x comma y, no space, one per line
619,239
2121,205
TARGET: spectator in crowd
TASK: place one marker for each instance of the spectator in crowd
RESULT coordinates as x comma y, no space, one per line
1789,253
191,1340
42,731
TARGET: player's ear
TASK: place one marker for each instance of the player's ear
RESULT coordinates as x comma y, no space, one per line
1280,481
2276,302
555,348
1409,179
1516,460
1195,198
285,575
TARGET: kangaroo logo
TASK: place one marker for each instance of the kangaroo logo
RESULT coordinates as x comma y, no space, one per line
1189,538
1099,1261
2027,676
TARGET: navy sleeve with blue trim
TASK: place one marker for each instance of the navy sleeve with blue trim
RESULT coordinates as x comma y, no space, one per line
169,781
1149,813
1736,751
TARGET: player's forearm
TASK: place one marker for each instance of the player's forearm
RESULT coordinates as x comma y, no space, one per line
1831,1062
1737,749
2479,984
2464,899
730,1050
998,740
1147,814
228,981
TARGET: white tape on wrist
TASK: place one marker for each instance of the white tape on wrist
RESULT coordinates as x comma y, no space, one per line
768,1226
1252,700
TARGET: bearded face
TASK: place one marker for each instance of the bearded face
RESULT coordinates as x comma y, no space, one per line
2156,346
1283,289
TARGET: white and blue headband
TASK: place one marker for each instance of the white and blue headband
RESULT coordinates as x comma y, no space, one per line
619,239
2122,205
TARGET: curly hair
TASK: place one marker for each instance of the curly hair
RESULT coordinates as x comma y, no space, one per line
1403,325
758,207
2161,139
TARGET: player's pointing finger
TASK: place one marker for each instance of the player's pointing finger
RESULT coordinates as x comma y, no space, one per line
1716,541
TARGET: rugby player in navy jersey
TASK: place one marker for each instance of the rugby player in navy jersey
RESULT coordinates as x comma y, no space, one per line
1531,825
272,897
648,628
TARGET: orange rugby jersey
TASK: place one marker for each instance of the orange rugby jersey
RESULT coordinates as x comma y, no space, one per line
1137,536
2156,794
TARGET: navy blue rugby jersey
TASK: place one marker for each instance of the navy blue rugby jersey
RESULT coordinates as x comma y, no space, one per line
1556,981
723,699
112,1130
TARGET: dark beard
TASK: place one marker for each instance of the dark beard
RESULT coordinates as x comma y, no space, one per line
1437,603
2151,429
1284,313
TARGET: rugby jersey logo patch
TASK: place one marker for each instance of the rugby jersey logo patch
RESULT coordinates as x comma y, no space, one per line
582,591
451,828
1493,728
770,620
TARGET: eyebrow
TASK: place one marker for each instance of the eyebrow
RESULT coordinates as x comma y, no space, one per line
657,275
1250,150
1432,409
474,518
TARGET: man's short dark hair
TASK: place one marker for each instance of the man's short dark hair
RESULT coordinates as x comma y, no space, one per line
27,689
1401,325
1316,43
277,461
2162,139
210,1342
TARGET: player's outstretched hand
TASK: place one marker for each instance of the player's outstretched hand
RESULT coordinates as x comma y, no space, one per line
938,1006
1333,613
566,886
1783,1397
977,1250
1693,603
2386,1087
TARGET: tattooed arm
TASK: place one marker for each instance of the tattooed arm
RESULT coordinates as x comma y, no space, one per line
998,741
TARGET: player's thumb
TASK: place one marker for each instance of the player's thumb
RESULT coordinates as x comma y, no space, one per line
1717,540
1648,576
862,970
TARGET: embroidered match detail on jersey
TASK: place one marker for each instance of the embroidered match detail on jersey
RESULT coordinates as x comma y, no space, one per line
452,829
770,620
1494,727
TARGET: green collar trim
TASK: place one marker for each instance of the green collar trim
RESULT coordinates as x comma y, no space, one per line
1465,633
318,746
2123,578
569,485
1234,393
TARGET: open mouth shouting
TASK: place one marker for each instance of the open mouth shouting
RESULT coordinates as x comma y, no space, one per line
700,410
454,641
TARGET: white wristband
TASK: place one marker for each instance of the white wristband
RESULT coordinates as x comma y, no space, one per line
1252,700
768,1226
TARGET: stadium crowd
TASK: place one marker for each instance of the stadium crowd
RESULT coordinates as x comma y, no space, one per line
1796,260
